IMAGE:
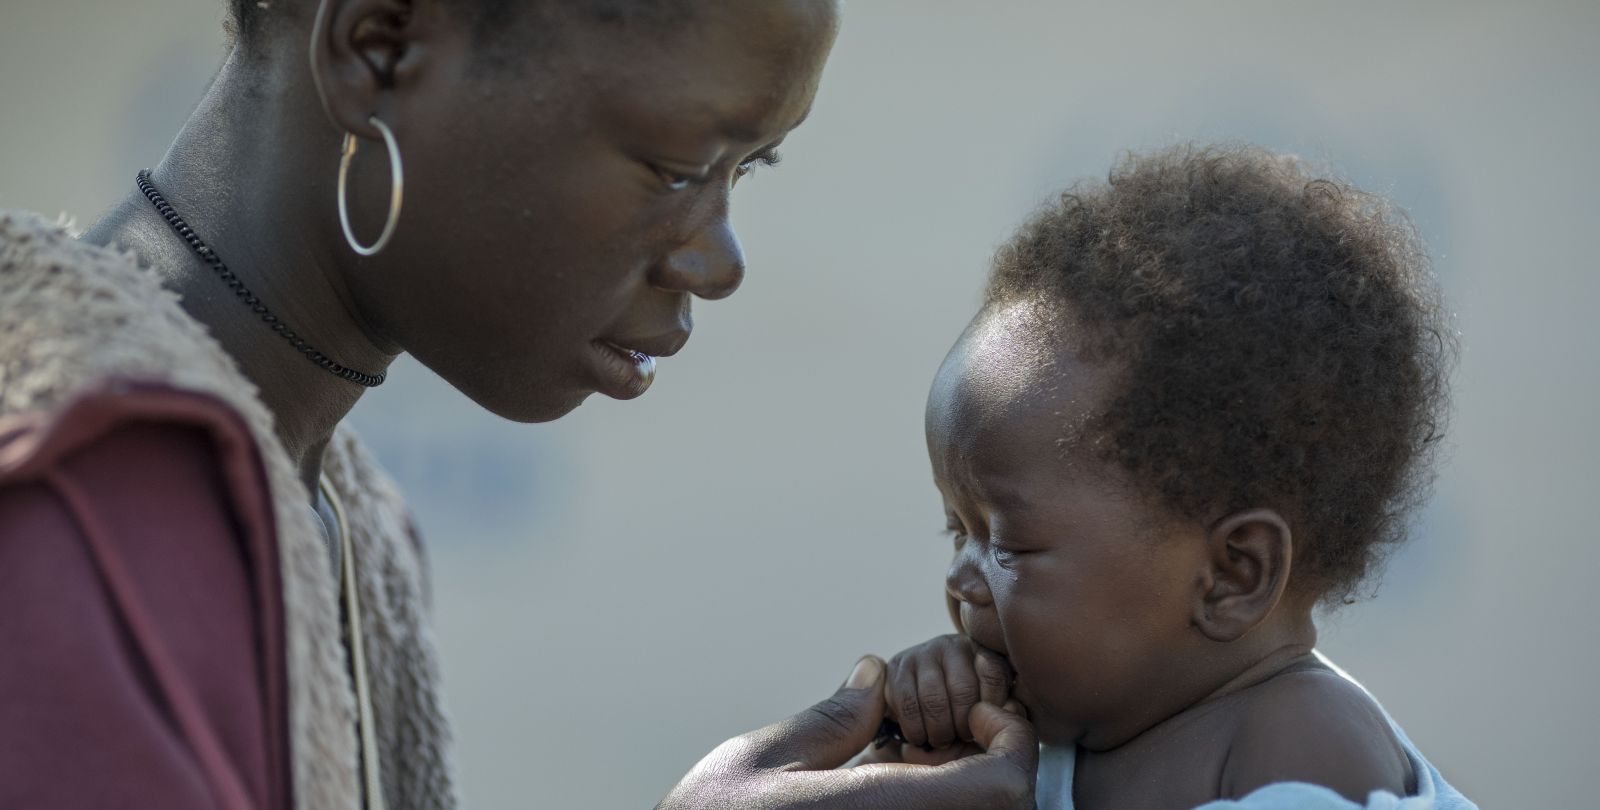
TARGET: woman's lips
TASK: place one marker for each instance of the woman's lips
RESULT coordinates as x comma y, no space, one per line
625,367
622,373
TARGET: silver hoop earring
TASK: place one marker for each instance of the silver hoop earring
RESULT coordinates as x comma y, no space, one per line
397,188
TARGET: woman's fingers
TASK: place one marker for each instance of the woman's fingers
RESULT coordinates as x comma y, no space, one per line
789,764
938,756
1001,777
1011,748
1006,731
830,732
889,752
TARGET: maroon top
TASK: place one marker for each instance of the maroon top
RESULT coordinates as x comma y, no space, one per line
141,613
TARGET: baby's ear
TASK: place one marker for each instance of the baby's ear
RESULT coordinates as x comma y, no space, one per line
1249,555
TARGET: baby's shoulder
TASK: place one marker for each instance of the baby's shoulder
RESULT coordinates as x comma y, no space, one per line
1313,725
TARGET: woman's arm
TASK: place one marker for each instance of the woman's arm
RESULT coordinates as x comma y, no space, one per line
142,662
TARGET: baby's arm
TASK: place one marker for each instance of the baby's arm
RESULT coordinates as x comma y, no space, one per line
933,687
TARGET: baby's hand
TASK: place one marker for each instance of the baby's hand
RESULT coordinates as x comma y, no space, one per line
933,686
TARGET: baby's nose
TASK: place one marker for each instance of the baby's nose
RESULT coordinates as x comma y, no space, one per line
964,582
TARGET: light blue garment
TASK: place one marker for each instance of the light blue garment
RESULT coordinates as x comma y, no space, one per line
1053,790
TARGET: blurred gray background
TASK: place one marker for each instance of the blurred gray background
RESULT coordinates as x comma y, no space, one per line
619,591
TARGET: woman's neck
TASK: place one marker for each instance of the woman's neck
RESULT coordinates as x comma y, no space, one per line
253,173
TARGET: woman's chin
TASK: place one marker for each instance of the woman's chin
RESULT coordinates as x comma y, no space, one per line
528,405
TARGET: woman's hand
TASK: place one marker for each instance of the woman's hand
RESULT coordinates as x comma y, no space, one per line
790,764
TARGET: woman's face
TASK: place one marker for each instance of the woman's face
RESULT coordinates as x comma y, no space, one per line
561,213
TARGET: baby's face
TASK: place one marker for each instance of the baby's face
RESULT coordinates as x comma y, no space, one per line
1080,582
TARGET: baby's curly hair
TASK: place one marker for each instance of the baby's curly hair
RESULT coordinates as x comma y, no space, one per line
1279,337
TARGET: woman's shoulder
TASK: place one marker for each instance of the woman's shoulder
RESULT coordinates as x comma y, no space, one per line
157,488
74,315
137,536
42,259
73,439
27,236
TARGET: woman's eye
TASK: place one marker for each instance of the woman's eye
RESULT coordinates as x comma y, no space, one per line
767,157
958,538
675,181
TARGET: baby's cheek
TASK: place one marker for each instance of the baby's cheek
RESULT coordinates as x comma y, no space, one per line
1066,665
1054,691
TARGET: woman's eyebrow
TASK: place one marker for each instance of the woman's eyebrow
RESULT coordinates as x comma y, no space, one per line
739,132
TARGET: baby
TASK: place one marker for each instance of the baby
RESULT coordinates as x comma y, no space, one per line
1198,403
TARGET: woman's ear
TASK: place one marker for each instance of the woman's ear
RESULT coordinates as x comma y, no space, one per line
1249,556
359,49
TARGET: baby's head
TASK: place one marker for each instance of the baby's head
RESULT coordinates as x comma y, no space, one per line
1199,400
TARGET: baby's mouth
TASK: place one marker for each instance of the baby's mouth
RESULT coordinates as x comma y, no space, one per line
983,632
985,636
988,649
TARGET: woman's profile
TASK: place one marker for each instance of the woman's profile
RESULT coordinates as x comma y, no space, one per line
220,595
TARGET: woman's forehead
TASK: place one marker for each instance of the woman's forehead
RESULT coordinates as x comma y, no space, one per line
744,71
763,45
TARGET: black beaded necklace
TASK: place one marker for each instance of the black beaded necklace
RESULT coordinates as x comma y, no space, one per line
234,283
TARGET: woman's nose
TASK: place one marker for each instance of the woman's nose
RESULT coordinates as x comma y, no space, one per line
710,266
964,582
